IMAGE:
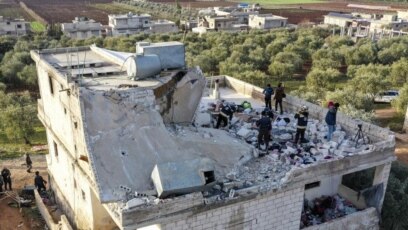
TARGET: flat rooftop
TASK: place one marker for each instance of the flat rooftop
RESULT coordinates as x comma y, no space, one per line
97,68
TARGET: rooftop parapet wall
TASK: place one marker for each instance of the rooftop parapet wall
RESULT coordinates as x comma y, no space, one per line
380,136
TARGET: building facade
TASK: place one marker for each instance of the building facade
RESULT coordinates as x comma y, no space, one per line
128,24
117,161
267,21
338,19
82,28
163,26
15,27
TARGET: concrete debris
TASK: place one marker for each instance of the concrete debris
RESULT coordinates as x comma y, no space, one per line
203,119
274,170
135,202
324,209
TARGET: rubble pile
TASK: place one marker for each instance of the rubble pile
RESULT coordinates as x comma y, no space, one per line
274,169
324,209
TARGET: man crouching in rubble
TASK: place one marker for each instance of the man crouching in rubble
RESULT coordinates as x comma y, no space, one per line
226,112
265,125
302,117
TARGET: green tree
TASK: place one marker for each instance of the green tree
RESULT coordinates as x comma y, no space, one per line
327,58
400,103
28,76
19,112
348,95
399,72
320,80
363,54
383,71
369,83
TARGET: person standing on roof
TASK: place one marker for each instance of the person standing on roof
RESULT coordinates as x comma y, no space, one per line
265,126
268,92
331,118
29,163
226,113
302,118
6,174
279,95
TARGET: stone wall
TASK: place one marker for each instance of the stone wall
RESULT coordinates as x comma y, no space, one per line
269,211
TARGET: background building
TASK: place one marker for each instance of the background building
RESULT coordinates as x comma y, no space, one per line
82,28
163,26
127,24
267,21
14,27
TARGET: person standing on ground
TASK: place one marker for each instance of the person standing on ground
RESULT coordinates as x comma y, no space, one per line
268,92
331,119
1,184
6,174
265,125
302,118
39,182
29,163
279,95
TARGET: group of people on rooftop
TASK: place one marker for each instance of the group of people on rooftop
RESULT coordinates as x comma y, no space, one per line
264,123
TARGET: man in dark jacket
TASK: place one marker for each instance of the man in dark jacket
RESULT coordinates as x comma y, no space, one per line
331,119
1,184
29,163
279,95
302,118
226,113
6,174
39,182
264,125
268,92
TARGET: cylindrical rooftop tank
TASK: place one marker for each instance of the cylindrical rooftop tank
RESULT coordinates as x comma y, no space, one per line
143,66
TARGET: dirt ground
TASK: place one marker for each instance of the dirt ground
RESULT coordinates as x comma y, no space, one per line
296,16
58,11
12,218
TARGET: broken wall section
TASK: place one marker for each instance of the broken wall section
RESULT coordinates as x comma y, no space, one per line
179,98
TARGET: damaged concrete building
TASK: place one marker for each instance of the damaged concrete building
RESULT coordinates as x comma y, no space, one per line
130,148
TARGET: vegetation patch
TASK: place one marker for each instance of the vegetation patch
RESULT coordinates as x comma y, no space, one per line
37,27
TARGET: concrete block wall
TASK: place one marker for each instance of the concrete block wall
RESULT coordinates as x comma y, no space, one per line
290,103
366,219
269,211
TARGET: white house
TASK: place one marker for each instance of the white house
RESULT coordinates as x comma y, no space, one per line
14,27
163,26
266,21
82,28
127,24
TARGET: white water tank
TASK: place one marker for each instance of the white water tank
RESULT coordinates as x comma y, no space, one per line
143,66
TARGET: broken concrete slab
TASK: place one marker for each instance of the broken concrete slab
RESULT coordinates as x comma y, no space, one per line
182,177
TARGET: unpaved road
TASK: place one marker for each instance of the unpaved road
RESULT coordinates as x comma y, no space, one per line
12,218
